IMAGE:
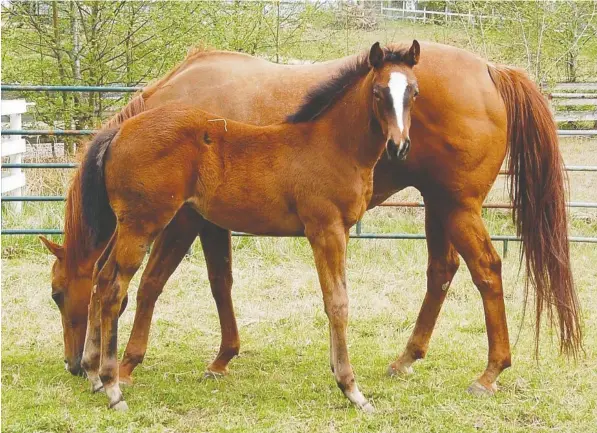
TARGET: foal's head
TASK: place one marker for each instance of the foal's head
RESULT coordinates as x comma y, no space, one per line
394,91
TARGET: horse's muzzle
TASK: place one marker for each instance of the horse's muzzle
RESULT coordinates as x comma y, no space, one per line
396,152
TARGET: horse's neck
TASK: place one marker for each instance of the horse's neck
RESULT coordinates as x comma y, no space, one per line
349,123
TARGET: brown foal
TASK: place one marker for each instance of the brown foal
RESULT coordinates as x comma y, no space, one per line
311,175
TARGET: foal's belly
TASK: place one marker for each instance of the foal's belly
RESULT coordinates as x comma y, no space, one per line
259,217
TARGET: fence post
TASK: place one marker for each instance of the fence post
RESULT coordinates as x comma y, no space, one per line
14,147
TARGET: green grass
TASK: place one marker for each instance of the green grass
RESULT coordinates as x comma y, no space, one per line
281,382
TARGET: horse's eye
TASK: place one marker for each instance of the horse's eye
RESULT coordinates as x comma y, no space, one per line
416,93
376,94
58,297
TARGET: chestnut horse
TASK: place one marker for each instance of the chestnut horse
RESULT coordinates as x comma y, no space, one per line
469,115
311,175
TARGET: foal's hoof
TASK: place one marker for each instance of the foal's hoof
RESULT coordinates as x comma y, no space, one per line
121,406
367,408
479,390
125,380
400,370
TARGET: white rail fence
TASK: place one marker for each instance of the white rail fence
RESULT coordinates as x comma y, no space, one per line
13,148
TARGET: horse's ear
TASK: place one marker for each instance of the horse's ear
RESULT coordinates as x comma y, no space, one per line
54,248
414,53
376,56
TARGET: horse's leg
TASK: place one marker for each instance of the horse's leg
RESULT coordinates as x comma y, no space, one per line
90,360
112,283
167,252
470,237
442,264
217,248
329,249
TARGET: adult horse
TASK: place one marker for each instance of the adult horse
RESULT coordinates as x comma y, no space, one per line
309,175
469,115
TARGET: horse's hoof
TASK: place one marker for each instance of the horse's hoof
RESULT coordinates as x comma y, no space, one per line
121,406
367,408
401,370
209,374
479,390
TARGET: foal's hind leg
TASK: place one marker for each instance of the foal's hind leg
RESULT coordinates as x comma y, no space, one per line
167,252
92,348
217,248
474,244
442,265
112,283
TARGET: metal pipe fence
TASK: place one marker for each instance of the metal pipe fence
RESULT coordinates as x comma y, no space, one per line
359,234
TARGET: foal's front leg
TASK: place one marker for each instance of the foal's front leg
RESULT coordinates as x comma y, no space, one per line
329,249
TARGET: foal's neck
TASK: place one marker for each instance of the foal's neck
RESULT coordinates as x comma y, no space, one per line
350,124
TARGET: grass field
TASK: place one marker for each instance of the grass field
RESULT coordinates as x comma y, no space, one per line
281,381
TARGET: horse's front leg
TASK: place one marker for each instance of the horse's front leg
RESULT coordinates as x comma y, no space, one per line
329,248
167,252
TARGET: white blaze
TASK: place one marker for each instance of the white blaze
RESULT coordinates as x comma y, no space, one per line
398,83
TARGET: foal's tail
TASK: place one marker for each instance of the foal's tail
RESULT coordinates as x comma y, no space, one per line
538,193
97,213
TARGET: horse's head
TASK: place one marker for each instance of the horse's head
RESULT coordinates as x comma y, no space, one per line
394,91
71,291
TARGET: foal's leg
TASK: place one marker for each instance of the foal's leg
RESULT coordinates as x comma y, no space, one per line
217,248
112,283
329,249
472,241
442,264
167,252
92,348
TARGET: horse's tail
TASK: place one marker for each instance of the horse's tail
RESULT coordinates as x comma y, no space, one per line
538,192
97,213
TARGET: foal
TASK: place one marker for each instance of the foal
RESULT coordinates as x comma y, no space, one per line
312,175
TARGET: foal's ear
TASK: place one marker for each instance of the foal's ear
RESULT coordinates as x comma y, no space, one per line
54,248
376,56
414,53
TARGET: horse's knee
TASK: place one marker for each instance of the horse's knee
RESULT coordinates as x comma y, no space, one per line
441,271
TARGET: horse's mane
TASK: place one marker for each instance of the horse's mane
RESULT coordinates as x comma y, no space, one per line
323,96
77,238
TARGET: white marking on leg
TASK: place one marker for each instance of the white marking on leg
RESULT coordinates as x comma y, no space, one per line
445,286
115,397
356,397
398,83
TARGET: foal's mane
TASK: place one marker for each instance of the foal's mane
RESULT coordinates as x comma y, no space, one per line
324,95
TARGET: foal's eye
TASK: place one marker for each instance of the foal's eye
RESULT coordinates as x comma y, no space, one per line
416,93
376,94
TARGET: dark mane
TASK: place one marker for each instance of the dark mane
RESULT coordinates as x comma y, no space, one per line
322,96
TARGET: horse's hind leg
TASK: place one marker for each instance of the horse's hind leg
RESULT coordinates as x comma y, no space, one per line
472,241
217,248
113,279
166,254
441,268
